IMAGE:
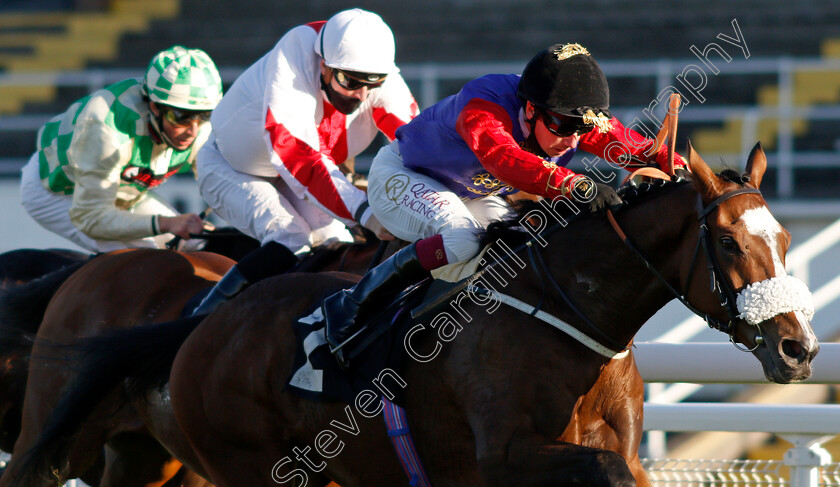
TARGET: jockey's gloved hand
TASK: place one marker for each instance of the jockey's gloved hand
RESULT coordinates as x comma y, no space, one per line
681,174
592,196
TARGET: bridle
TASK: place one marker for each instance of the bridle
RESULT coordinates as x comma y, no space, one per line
718,284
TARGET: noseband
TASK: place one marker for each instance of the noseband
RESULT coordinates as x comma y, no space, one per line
718,284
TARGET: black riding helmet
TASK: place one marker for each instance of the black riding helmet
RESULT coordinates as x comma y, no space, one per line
566,79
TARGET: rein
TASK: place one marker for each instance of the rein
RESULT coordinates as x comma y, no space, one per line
718,284
535,256
612,350
172,244
561,325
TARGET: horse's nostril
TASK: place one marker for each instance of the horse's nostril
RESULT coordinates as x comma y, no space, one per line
793,349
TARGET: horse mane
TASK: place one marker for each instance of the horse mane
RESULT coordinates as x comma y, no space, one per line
22,308
512,231
230,242
733,176
24,265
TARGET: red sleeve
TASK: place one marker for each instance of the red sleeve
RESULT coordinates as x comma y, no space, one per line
620,141
388,122
487,129
306,166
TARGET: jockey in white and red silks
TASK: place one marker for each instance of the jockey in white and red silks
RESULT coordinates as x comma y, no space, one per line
442,181
270,167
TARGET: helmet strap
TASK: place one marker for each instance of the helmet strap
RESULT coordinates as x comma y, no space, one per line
157,132
530,144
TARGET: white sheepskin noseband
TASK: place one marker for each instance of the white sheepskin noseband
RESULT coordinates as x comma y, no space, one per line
763,300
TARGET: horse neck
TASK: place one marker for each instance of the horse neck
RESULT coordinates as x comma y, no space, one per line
606,280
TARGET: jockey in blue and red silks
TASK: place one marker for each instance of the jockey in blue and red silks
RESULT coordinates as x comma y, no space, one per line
441,182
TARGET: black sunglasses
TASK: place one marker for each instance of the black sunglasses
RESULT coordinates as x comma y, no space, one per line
564,126
351,80
181,118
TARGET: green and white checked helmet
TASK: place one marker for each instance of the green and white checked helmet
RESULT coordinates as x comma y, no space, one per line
183,78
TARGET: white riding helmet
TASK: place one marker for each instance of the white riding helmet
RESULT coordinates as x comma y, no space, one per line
357,40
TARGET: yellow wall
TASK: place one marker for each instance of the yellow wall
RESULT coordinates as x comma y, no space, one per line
79,38
809,87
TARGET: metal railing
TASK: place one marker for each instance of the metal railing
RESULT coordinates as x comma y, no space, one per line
427,81
807,427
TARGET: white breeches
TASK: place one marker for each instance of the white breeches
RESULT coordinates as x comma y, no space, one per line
52,211
414,206
264,208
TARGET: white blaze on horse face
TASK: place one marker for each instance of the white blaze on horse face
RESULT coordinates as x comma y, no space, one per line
760,222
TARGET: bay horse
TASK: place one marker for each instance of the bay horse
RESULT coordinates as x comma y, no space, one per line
94,301
25,291
172,278
494,395
28,279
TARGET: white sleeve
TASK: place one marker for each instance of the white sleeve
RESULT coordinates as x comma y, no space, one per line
98,158
292,105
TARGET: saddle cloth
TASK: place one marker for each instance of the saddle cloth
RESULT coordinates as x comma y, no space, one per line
316,374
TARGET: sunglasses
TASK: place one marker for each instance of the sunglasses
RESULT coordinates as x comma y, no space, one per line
181,118
356,81
564,126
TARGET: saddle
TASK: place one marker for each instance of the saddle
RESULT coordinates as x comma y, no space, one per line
316,374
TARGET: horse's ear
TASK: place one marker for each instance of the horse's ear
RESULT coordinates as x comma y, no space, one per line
756,165
704,179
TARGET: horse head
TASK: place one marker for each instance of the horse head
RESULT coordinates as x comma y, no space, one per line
752,297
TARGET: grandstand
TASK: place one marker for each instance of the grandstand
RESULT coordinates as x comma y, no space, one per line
124,34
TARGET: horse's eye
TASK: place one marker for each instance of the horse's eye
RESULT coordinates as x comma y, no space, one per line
728,243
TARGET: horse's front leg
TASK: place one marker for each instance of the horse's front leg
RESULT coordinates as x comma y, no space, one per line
529,460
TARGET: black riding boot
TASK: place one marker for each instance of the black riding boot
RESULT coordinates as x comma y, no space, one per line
377,288
269,260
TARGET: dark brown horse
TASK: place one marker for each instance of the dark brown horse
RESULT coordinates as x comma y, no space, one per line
494,395
23,265
28,280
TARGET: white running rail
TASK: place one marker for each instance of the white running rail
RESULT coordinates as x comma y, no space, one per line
806,426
